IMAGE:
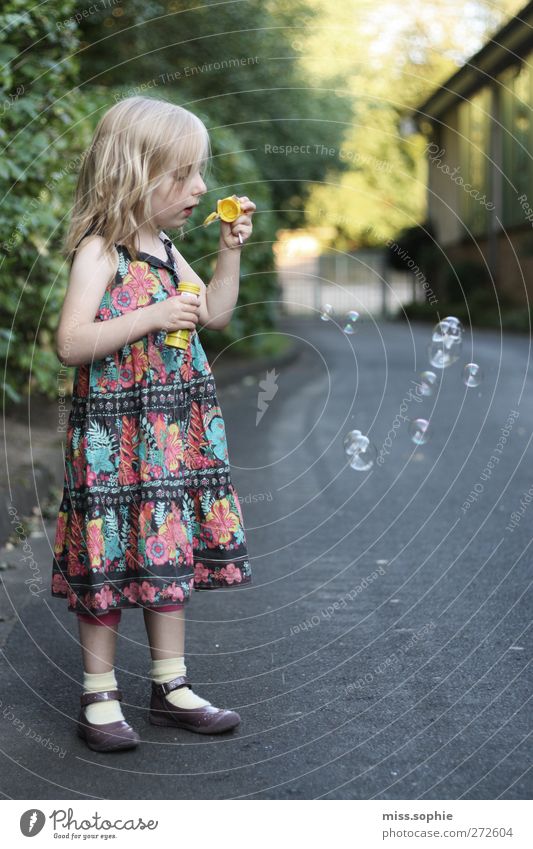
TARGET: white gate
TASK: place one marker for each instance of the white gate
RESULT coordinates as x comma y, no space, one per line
358,281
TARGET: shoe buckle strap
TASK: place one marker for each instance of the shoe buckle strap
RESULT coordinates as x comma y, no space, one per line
103,696
175,684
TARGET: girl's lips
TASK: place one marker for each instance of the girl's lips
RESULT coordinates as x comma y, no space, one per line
188,210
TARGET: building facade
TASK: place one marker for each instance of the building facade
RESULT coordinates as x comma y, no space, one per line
479,130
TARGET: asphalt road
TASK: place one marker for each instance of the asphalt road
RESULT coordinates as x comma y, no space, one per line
382,650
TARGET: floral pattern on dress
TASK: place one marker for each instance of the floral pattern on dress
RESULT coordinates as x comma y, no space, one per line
149,511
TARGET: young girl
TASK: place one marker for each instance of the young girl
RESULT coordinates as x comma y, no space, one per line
149,511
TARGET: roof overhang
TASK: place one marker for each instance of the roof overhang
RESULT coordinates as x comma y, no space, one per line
506,48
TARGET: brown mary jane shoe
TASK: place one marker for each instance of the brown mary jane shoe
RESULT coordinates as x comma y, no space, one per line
203,720
109,736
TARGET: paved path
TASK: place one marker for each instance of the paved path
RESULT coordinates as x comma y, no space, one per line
381,651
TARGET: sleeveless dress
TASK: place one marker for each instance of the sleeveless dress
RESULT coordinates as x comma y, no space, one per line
149,511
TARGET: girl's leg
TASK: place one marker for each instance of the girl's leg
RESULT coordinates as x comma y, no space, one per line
166,635
166,631
98,639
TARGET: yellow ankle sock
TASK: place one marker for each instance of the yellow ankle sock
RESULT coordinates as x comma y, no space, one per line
102,712
169,668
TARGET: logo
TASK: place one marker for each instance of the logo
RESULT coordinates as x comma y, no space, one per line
32,822
268,390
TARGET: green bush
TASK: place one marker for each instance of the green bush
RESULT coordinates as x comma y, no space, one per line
36,69
36,212
473,300
480,313
465,278
48,120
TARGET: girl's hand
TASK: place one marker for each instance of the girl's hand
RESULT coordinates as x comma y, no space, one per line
179,312
229,230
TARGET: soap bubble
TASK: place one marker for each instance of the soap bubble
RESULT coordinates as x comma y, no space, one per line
449,332
452,320
349,321
472,374
360,450
446,343
419,431
441,357
428,382
326,312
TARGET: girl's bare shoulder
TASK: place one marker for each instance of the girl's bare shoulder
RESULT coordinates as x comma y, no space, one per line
90,257
93,270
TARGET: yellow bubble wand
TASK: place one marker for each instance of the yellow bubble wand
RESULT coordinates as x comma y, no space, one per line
228,209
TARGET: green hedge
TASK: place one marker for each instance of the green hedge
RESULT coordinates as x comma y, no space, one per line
38,176
36,71
49,117
480,313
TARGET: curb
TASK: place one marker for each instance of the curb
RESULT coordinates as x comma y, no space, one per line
30,486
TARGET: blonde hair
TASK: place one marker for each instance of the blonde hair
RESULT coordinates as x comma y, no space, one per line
136,144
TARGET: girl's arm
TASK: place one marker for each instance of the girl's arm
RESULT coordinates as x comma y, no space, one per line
217,301
216,321
80,339
223,290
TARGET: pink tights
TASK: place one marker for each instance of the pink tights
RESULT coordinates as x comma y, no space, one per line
113,617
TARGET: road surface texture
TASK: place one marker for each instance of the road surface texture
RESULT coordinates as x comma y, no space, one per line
381,651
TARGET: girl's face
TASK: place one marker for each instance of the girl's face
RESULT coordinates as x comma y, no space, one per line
175,199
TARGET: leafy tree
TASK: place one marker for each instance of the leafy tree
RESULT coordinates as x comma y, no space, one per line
50,107
390,60
239,62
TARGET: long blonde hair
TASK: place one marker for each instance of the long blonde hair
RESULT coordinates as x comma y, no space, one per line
137,143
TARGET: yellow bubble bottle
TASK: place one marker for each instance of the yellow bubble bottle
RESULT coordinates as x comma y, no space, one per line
180,338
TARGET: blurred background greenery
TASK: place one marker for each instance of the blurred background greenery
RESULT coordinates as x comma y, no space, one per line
310,73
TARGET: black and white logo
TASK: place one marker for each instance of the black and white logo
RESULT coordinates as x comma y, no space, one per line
31,822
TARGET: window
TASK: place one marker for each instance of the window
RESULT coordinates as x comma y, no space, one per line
517,165
474,116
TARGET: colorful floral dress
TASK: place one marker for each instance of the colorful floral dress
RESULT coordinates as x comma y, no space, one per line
149,511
